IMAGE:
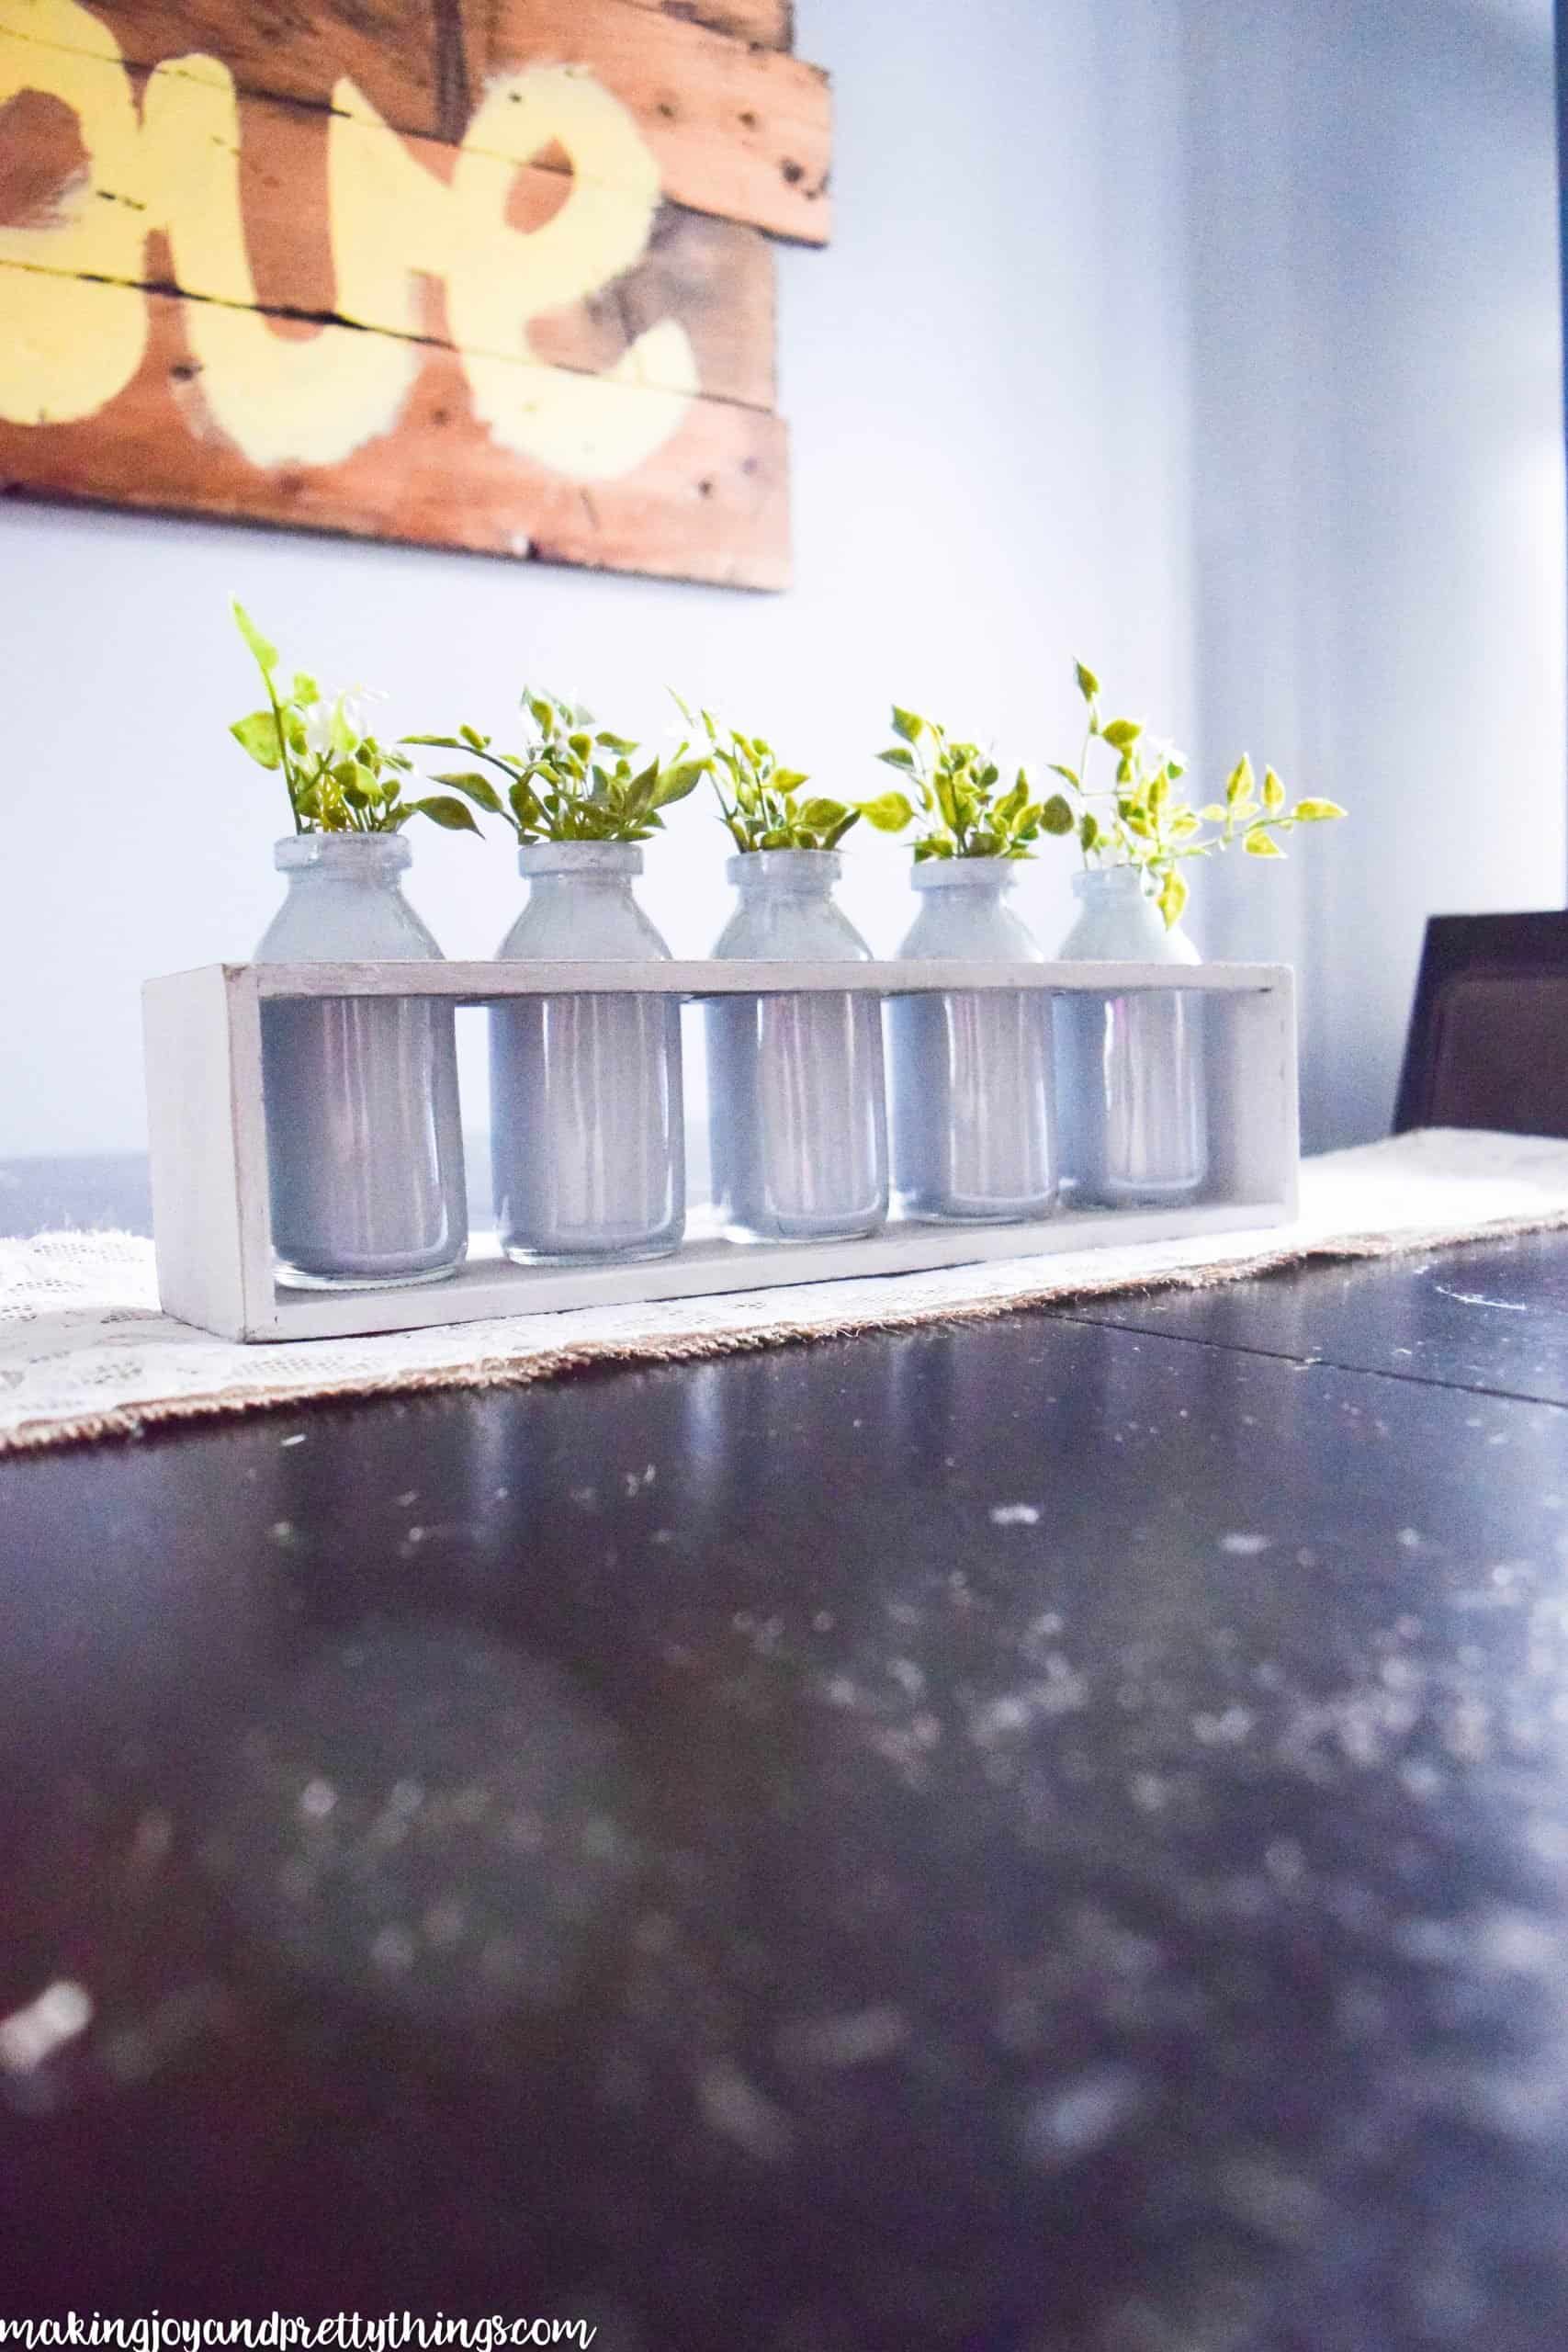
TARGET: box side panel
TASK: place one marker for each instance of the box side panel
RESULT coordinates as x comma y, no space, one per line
195,1149
1253,1131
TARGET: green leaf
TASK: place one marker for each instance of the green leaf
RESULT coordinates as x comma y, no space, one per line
1273,791
1238,783
258,736
1215,815
1012,806
788,780
1088,831
1260,844
1316,812
608,743
305,689
1068,776
1172,900
817,816
265,651
444,743
899,756
1122,733
906,724
1057,817
836,832
636,793
1088,684
451,814
676,782
477,789
889,814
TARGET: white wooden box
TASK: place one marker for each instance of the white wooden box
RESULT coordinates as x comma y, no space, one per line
208,1141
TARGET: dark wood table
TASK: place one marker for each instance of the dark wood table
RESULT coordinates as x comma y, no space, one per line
1048,1836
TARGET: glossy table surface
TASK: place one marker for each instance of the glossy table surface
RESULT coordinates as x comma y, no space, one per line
1043,1837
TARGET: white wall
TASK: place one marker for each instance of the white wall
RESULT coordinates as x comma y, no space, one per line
1379,498
1217,342
976,493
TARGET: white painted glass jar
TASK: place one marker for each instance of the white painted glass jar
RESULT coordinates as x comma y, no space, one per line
365,1143
1130,1067
973,1117
797,1100
588,1139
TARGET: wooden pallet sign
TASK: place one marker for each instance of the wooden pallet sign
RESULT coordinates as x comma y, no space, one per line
482,274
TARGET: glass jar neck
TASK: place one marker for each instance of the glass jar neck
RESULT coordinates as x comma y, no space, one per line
984,877
616,863
556,883
356,861
780,873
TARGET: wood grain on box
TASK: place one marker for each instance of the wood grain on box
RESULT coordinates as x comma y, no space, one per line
240,249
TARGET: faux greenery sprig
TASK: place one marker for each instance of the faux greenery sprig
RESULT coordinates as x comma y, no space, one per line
1141,820
958,790
572,783
338,778
762,807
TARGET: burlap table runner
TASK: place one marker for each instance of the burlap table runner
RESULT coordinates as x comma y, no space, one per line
86,1353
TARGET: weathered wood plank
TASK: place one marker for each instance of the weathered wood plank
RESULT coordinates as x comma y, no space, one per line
708,502
739,132
713,278
770,23
398,52
241,273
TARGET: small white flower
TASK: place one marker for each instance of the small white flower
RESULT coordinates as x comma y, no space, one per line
318,718
327,721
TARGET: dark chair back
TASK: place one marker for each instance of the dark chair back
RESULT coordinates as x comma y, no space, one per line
1488,1043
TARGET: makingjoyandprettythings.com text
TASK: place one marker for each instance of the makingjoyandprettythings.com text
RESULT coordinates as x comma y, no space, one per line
284,2332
